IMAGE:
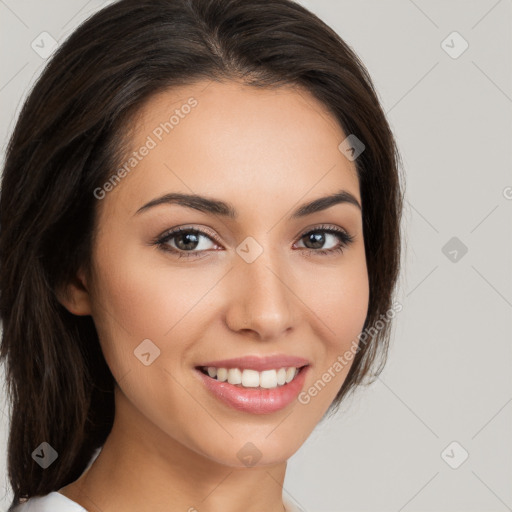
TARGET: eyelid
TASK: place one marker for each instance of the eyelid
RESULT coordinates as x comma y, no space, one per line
203,230
322,227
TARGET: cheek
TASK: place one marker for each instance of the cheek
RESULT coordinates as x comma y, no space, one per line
340,302
340,296
141,297
142,293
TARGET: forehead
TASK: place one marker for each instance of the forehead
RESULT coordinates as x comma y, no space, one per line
229,139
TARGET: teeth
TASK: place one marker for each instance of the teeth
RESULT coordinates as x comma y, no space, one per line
234,376
267,379
250,379
281,376
290,374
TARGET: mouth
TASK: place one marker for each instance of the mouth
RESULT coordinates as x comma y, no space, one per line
249,378
251,391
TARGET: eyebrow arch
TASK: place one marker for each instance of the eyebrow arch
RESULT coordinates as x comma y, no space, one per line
223,209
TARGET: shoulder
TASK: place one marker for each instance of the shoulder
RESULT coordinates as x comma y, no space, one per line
53,502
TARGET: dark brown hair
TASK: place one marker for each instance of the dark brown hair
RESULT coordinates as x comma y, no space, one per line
66,143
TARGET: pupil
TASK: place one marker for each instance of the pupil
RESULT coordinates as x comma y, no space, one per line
317,239
188,236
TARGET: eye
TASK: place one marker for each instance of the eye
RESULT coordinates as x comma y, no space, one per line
185,240
337,239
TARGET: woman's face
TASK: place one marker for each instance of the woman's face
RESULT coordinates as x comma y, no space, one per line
263,278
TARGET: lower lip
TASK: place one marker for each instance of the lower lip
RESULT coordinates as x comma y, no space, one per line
256,400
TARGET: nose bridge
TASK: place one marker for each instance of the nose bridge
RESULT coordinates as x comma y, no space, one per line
262,300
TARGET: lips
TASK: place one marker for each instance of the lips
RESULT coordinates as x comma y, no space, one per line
255,400
258,363
245,396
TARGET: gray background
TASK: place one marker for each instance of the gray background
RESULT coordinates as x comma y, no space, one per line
449,375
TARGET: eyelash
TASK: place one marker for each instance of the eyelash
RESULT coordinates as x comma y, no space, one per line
161,242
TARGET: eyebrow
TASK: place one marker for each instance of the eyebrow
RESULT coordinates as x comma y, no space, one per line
227,210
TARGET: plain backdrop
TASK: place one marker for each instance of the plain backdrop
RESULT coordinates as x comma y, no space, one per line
433,432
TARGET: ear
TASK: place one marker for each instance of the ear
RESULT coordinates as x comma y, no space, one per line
74,295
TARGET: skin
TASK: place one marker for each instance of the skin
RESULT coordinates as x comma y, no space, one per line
173,445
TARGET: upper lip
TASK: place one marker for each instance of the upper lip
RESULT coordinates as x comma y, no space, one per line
259,363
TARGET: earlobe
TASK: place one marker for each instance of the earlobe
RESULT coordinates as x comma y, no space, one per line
74,295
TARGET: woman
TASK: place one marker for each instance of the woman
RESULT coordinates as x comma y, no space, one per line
199,246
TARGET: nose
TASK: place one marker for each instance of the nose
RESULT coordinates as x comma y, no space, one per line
261,298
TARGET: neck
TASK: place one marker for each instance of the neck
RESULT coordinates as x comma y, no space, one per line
143,468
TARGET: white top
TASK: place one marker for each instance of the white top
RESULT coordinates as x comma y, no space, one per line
57,502
53,502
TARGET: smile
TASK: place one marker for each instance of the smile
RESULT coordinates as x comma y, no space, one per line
247,378
251,391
